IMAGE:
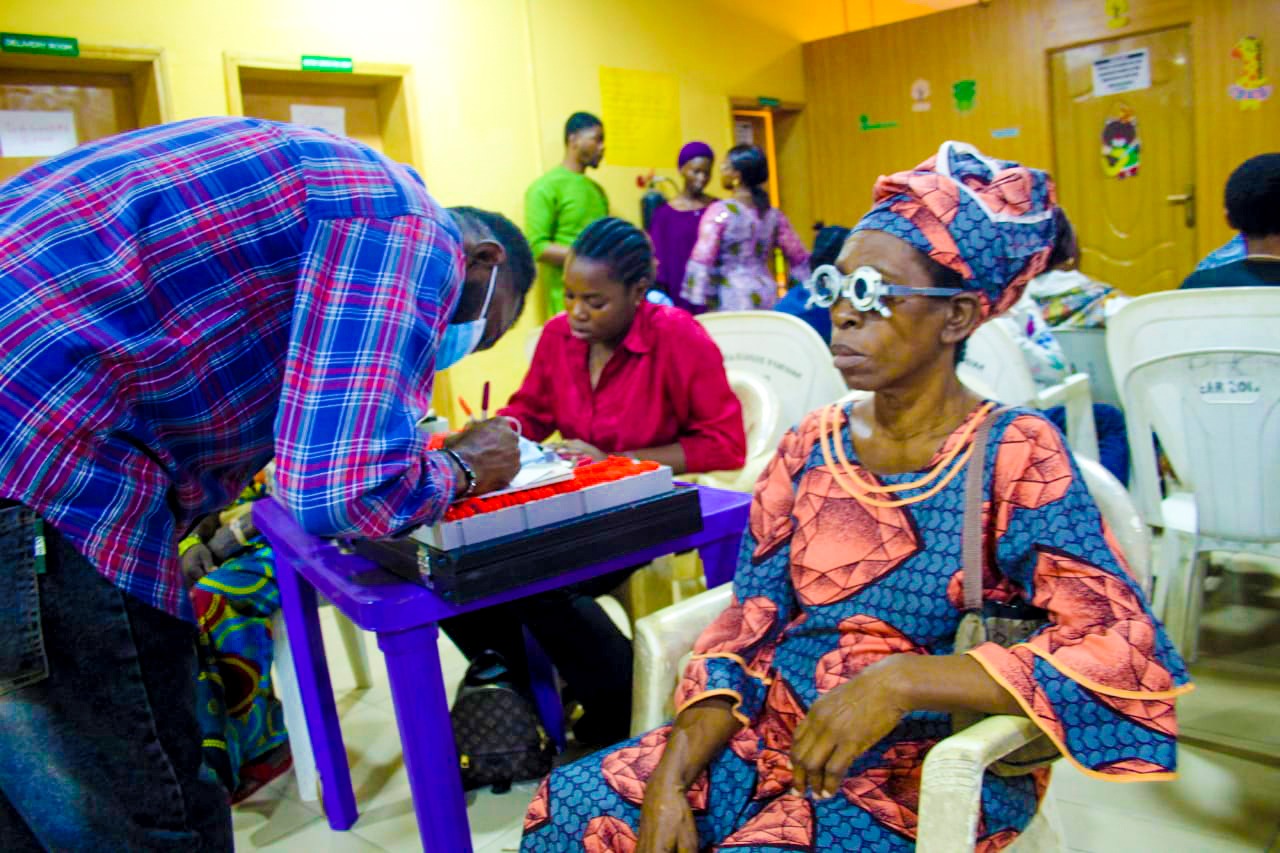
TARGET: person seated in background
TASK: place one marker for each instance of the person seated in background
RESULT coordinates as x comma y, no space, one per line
1253,209
234,594
826,248
1232,250
614,374
1025,323
731,268
674,227
809,705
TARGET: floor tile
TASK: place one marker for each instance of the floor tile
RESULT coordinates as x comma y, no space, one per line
1215,795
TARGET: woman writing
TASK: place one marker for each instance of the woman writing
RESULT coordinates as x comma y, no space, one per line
674,227
731,265
809,705
614,374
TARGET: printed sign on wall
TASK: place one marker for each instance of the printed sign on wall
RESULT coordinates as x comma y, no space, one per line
1123,72
36,133
330,119
641,109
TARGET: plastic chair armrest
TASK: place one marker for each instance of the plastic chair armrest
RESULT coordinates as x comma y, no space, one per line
661,640
951,786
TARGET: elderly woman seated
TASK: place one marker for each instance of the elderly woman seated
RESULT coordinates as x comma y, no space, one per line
810,704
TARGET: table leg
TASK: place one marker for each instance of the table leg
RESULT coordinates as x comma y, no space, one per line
545,684
720,560
426,736
302,623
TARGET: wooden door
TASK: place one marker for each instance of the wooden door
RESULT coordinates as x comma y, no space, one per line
1133,209
274,99
102,104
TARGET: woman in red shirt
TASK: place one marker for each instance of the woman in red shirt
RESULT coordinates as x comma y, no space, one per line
614,374
618,374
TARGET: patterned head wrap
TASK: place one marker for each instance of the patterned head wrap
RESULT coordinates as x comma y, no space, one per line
692,151
989,220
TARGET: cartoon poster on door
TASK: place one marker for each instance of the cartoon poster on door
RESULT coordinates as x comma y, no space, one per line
1121,147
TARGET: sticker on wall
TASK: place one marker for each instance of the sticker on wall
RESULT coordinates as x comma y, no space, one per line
1251,87
1121,147
1117,13
865,123
920,92
965,92
1006,133
1122,72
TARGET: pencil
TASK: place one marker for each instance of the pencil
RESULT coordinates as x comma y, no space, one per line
466,408
484,403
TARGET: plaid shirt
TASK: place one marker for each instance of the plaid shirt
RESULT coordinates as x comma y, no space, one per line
181,303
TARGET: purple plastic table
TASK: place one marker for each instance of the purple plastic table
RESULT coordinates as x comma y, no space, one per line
404,617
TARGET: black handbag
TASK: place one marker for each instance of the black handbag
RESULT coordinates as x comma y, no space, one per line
989,622
496,729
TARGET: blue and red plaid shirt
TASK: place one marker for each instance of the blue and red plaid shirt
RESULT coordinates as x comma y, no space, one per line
181,303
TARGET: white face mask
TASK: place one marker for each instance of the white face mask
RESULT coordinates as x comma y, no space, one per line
461,339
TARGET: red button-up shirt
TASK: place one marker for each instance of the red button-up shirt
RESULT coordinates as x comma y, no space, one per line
664,384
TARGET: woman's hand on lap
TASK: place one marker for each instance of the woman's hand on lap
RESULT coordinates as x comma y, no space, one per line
844,724
666,820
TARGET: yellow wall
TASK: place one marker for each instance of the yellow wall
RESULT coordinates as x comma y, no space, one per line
487,125
715,59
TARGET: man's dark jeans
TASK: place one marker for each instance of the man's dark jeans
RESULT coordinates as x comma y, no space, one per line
99,746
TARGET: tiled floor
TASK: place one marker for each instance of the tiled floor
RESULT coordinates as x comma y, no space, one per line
1227,797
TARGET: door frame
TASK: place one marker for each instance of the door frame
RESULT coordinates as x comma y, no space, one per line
392,83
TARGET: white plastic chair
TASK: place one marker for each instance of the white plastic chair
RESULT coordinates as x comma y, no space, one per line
953,770
781,370
286,681
1201,368
993,362
1085,350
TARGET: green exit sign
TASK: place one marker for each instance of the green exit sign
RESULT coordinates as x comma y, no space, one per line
332,64
50,45
769,102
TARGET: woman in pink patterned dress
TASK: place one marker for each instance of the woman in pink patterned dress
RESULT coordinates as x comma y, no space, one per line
731,265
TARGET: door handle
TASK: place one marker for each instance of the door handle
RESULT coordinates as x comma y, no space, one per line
1188,202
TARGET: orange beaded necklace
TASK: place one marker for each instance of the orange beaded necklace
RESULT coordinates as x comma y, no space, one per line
847,477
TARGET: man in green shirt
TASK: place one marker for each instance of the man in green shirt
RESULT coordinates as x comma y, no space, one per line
564,201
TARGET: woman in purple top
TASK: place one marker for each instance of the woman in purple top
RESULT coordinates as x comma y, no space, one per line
731,268
674,227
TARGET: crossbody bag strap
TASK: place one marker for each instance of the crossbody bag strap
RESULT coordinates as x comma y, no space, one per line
971,535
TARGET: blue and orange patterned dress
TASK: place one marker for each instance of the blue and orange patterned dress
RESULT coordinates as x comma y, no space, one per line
826,586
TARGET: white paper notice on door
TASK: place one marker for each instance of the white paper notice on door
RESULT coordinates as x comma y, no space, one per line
331,119
1122,72
36,133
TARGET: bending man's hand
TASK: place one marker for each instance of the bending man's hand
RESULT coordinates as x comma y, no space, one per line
492,449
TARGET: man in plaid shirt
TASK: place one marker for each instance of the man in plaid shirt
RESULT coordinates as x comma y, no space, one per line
178,305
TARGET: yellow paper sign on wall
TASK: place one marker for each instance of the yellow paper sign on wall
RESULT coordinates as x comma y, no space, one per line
641,114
